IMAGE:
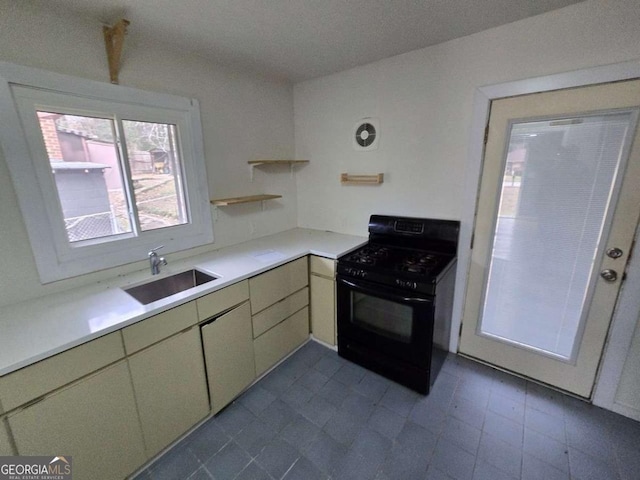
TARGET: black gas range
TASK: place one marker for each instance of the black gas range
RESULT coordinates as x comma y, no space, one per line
395,297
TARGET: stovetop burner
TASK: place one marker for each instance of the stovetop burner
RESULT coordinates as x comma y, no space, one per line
370,255
418,263
396,259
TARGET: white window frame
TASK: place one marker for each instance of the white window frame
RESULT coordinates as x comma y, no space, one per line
21,140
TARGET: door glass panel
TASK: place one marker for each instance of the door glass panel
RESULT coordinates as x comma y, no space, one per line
558,180
156,172
85,164
391,319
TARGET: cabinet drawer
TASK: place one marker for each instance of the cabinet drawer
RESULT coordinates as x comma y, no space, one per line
274,314
276,284
275,344
156,328
31,382
221,300
322,266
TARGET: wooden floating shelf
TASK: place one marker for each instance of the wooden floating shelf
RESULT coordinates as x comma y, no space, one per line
277,162
348,179
223,202
257,163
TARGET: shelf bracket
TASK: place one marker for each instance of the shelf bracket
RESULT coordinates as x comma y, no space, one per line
114,41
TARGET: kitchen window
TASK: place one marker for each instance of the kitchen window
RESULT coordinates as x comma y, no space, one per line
103,173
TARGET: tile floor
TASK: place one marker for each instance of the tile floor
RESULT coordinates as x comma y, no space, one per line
318,416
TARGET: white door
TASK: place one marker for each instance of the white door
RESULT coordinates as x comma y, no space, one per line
558,205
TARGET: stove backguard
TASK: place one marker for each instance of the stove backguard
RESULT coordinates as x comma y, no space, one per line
420,233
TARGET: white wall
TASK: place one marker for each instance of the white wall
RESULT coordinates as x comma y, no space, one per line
424,102
244,117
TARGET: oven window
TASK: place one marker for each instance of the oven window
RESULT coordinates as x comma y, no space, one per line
390,319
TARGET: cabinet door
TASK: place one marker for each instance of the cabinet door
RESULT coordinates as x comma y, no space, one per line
94,421
323,309
170,388
5,446
228,347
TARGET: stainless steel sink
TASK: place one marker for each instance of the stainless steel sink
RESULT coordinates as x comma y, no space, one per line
167,286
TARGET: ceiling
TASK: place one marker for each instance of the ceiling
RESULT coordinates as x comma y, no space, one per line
297,40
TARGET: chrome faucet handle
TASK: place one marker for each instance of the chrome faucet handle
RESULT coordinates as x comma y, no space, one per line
155,261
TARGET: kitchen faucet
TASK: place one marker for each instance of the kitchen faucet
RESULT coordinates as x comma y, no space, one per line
155,261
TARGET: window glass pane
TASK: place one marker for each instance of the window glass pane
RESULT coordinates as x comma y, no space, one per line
86,169
556,191
156,173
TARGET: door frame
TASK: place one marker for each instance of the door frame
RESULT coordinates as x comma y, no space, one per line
621,336
473,169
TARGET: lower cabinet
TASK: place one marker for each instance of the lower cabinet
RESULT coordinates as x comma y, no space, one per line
112,421
228,346
276,343
323,299
170,388
94,420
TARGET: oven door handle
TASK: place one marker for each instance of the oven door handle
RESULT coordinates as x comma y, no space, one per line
390,296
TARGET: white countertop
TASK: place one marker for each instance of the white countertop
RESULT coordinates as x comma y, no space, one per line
36,329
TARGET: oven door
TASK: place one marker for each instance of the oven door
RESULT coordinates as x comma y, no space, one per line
389,322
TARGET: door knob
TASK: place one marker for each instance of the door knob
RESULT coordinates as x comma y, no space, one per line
609,275
614,252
